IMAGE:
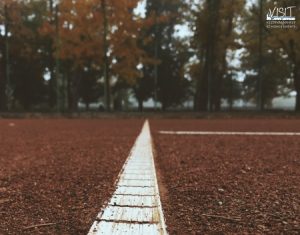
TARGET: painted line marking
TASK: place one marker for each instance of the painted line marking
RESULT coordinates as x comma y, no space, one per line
116,213
135,206
228,133
134,194
135,190
142,183
138,201
129,222
128,228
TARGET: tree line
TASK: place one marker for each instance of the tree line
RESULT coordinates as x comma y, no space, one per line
56,53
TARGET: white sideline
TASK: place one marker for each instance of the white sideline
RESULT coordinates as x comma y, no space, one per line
135,206
227,133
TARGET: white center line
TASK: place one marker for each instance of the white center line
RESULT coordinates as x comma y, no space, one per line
228,133
135,206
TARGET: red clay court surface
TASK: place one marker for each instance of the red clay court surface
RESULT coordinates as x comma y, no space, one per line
230,184
59,171
62,171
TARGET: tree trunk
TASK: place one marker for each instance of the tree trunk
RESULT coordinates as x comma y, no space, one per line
231,94
297,108
297,87
74,90
260,89
219,78
199,82
107,94
208,78
218,90
214,17
52,82
296,72
140,103
2,89
52,89
69,88
163,106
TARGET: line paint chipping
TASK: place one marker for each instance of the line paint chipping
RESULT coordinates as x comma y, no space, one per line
135,207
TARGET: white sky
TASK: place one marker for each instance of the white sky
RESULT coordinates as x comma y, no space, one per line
2,30
180,30
140,9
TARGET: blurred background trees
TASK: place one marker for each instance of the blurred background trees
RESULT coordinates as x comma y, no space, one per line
58,54
216,36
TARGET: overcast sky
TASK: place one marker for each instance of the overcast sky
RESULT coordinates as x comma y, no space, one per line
181,30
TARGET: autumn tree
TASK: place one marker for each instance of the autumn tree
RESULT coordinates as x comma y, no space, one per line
81,41
127,52
56,53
